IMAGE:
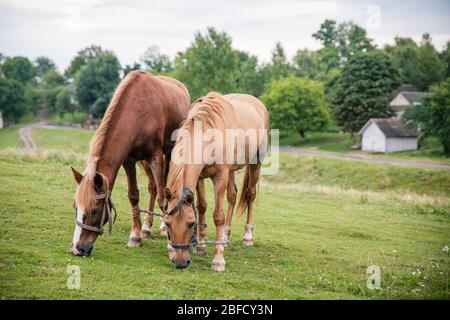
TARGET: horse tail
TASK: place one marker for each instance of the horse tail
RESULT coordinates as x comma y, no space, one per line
244,199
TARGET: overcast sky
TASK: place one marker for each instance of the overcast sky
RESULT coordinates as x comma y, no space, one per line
59,28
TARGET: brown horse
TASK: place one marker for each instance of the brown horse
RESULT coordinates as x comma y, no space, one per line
137,126
200,152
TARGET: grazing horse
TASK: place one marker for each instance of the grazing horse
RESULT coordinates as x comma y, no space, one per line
136,127
199,154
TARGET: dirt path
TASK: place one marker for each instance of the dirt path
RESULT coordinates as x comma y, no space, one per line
351,157
25,135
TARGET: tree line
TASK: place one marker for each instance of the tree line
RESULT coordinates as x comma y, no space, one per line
344,83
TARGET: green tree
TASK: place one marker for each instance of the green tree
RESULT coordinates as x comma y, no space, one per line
432,116
63,101
445,57
297,105
128,68
83,57
363,90
12,99
155,61
18,68
209,64
43,65
279,66
96,83
327,34
431,69
251,79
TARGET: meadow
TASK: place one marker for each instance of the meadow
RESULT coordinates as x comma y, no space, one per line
319,224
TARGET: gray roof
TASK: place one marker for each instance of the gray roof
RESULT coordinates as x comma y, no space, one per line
412,96
392,127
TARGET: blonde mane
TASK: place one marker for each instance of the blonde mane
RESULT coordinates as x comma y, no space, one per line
209,110
85,194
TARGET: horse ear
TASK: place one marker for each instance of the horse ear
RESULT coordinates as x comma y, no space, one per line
98,182
168,194
77,176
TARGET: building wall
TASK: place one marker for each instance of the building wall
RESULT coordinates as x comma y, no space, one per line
399,101
373,139
400,144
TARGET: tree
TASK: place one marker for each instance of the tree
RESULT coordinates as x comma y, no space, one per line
431,69
18,68
279,66
432,116
404,56
363,90
251,78
96,83
352,39
128,68
63,102
155,61
43,65
419,65
342,41
83,57
12,100
445,57
327,34
209,64
297,105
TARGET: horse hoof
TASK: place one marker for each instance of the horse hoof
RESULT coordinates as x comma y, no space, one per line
146,233
201,250
134,242
218,266
248,243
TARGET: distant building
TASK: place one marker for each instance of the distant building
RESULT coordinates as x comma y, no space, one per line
387,136
405,97
1,120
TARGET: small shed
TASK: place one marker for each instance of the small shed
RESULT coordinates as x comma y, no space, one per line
388,136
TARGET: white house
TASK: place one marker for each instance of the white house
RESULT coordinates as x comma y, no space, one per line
403,100
387,136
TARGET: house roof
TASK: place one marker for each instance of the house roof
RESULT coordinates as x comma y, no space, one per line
405,87
391,127
412,96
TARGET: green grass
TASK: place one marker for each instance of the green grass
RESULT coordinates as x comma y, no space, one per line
315,235
75,140
430,149
308,245
9,138
313,139
362,175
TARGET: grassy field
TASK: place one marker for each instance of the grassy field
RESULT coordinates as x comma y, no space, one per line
430,149
319,224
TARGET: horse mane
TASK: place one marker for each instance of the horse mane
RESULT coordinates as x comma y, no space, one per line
85,194
209,110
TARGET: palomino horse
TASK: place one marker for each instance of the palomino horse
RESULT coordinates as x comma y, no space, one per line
193,159
137,126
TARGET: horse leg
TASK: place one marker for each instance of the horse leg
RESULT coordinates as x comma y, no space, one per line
220,181
231,200
135,239
148,218
253,172
201,208
157,169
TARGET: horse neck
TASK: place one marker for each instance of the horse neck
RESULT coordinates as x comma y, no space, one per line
116,148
